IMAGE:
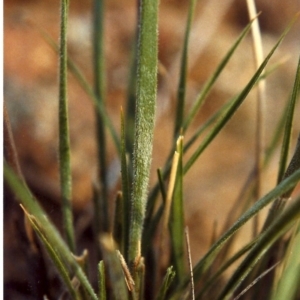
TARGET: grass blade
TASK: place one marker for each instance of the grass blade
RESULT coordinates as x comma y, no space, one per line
279,203
64,139
183,71
232,109
210,82
81,79
288,285
54,238
99,88
206,261
114,268
145,114
176,224
288,125
101,281
168,279
276,230
52,253
125,190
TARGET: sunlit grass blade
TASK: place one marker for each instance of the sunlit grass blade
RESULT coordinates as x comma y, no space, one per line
49,230
145,115
183,72
210,82
168,279
101,281
276,230
114,267
64,139
288,285
288,125
232,109
99,89
176,223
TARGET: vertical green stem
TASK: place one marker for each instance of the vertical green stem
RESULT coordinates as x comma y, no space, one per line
183,72
64,139
145,114
99,89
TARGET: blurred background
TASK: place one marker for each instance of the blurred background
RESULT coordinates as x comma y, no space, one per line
31,98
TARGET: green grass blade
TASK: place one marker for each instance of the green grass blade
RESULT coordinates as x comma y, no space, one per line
64,139
176,223
288,125
206,125
279,190
276,230
125,191
54,238
101,281
77,73
288,285
183,72
232,109
278,205
145,114
114,267
131,100
224,267
99,88
167,281
62,270
117,229
210,82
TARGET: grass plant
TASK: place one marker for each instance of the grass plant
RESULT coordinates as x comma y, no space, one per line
132,261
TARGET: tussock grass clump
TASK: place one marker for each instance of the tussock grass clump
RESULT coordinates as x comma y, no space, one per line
144,253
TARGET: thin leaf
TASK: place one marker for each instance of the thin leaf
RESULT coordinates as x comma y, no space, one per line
62,270
75,70
224,267
207,260
64,139
101,281
288,285
232,109
54,238
288,125
125,191
210,82
99,88
280,202
168,279
276,230
117,279
183,71
176,225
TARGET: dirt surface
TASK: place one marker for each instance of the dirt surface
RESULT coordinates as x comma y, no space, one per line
31,97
